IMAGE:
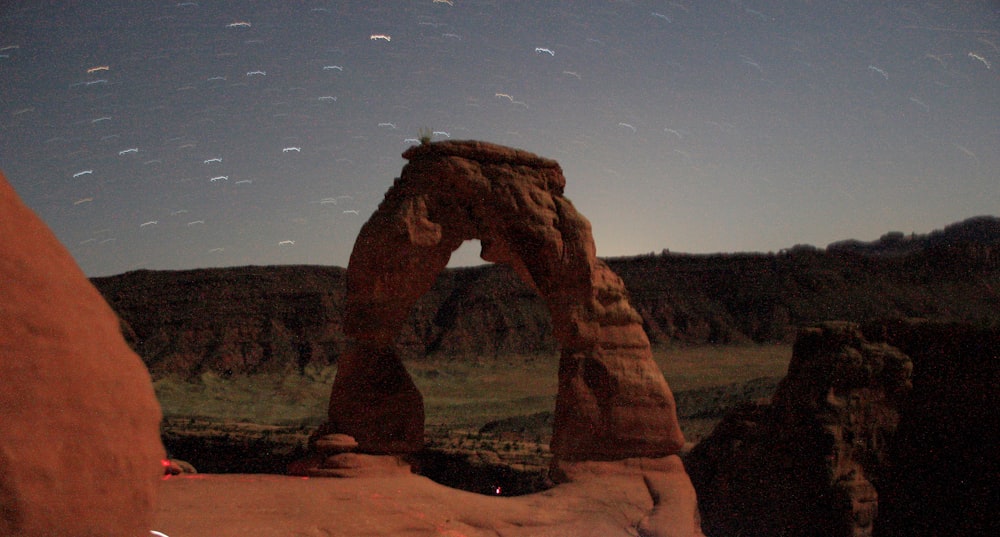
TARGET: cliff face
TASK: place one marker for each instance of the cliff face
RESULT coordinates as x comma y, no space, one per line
246,320
478,311
764,297
251,319
230,321
806,463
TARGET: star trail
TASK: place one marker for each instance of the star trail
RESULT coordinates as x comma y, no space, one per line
169,135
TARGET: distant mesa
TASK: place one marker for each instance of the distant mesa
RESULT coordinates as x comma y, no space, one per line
688,299
981,231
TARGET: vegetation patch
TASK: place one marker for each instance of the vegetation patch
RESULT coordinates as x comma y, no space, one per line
490,416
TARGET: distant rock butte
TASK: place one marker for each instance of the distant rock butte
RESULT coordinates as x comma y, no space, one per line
80,450
612,402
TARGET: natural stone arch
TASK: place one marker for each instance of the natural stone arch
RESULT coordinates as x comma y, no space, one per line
612,401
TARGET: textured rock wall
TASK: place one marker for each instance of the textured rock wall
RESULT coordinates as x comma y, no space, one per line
80,450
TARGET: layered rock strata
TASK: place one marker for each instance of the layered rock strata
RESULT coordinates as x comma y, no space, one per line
804,464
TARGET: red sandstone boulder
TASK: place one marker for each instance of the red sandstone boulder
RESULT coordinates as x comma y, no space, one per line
80,450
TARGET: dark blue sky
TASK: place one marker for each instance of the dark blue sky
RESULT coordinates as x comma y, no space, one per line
693,126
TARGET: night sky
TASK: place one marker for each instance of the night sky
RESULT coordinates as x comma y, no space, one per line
169,135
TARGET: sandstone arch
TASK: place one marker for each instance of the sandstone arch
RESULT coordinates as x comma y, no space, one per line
612,402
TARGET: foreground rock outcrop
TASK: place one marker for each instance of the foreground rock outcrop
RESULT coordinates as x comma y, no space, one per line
941,471
885,429
80,451
609,499
612,402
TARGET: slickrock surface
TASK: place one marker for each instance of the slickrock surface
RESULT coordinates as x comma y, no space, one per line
80,450
606,499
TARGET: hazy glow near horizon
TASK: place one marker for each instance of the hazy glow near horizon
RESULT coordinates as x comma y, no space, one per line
172,135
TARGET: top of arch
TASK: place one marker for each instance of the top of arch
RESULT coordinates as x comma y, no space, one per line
478,151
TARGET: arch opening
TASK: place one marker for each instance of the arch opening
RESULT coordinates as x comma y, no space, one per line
467,255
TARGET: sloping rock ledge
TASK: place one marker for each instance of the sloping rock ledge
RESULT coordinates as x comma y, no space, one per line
605,499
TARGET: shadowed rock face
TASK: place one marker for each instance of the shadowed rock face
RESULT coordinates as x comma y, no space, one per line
80,450
940,472
883,429
805,464
612,402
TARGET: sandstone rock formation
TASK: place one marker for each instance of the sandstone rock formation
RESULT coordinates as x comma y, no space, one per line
882,429
80,451
612,399
617,503
804,464
177,467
